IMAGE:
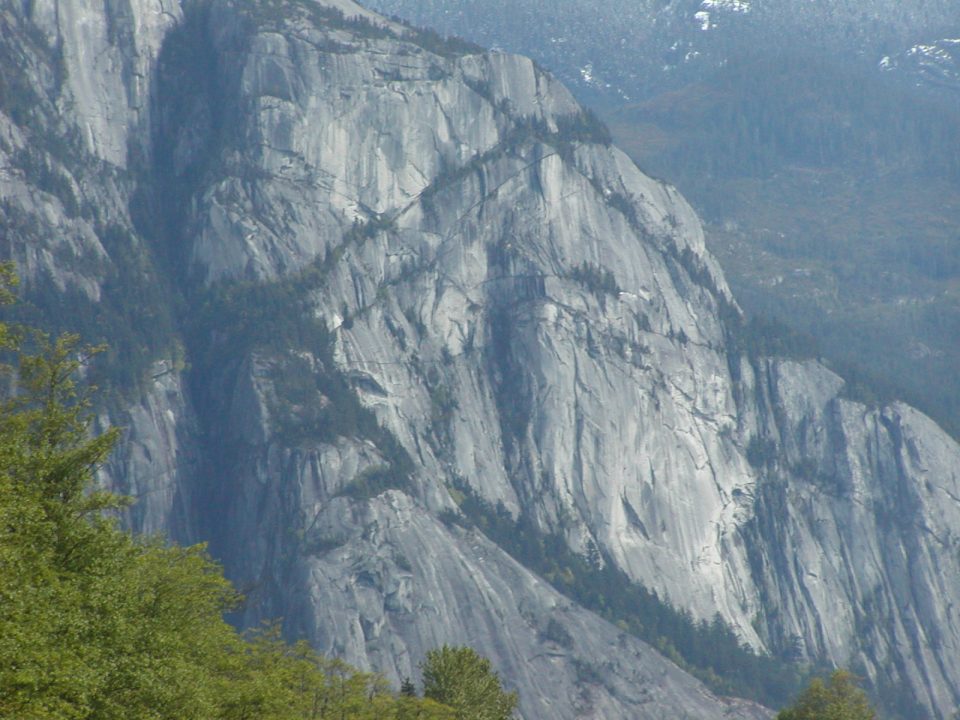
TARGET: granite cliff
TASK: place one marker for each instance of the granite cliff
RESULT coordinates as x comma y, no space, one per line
354,272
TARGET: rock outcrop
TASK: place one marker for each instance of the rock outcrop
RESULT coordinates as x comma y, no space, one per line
76,112
382,268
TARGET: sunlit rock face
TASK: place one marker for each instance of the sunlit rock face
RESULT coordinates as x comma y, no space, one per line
399,266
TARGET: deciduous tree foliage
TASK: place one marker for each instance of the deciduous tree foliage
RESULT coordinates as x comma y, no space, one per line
462,679
837,699
96,623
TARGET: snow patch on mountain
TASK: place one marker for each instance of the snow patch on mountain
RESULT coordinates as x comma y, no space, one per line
704,17
739,6
935,62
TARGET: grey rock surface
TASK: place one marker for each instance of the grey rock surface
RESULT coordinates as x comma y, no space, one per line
75,140
858,514
400,583
157,461
518,308
108,50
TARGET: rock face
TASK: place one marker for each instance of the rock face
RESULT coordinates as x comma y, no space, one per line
397,266
76,97
856,527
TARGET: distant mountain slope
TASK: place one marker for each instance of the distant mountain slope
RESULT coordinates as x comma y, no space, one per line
611,50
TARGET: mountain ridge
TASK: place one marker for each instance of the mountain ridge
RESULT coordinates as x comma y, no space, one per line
483,291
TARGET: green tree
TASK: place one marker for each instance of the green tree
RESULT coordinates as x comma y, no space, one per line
462,679
93,622
837,699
